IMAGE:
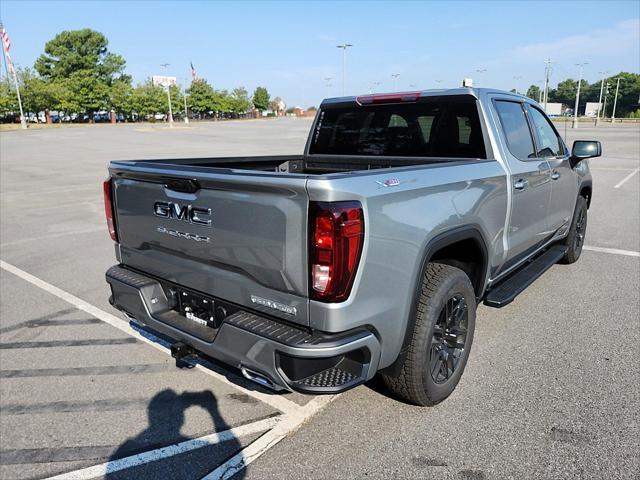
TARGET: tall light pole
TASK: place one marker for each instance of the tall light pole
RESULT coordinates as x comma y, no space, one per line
395,81
165,65
547,74
615,101
374,84
184,96
344,47
575,110
439,82
327,83
606,94
600,99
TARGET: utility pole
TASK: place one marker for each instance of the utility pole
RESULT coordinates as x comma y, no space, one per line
600,99
395,82
575,110
344,47
547,74
615,102
186,112
606,94
165,65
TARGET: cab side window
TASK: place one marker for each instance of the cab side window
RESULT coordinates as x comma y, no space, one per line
547,142
516,129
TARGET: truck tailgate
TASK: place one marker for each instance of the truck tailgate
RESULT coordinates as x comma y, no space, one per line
241,237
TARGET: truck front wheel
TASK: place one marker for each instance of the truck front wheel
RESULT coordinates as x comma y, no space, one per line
575,239
442,337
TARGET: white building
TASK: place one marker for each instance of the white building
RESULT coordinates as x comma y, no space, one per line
591,109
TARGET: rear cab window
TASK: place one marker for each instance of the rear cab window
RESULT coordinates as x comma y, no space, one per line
548,143
430,127
516,129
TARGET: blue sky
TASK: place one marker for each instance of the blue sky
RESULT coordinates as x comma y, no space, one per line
290,47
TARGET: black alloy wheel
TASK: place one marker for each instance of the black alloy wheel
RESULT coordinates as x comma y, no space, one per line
449,337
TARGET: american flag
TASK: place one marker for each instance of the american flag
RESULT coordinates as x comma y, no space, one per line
6,44
194,74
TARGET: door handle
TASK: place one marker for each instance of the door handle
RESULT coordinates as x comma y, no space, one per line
555,176
521,184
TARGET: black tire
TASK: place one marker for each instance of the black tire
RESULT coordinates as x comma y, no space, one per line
575,239
415,383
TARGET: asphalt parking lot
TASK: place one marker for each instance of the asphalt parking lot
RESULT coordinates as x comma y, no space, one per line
551,390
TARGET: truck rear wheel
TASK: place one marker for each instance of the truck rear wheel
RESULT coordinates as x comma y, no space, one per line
442,337
575,239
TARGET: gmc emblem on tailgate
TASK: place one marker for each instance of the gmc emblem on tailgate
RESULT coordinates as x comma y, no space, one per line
188,213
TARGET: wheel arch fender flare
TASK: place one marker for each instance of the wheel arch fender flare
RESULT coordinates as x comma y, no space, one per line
440,241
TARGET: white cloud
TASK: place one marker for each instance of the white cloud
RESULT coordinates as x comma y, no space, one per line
622,37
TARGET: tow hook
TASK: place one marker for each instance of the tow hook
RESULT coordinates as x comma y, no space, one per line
180,351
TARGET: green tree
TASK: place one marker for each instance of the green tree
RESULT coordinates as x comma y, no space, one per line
534,92
38,95
120,97
261,98
240,102
8,99
201,97
79,62
565,92
628,94
222,101
148,99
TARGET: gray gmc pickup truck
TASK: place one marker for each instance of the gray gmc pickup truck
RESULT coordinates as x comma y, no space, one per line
368,253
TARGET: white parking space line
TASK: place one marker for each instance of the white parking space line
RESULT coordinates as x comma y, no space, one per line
166,452
276,401
54,235
611,169
625,179
613,251
287,425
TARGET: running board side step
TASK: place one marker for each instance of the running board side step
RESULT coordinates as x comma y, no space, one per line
508,289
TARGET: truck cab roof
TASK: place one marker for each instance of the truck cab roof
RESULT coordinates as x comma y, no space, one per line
416,94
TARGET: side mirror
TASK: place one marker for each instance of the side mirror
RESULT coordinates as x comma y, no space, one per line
583,149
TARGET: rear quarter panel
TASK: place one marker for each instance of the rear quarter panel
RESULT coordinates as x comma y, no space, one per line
400,221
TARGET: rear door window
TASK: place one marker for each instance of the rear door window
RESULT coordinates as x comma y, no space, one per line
427,128
547,141
516,129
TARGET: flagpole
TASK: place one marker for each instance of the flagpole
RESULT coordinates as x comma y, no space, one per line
9,66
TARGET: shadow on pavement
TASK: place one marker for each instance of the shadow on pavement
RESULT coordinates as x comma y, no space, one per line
166,414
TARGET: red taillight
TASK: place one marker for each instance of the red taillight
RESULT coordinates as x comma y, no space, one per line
335,245
388,98
108,209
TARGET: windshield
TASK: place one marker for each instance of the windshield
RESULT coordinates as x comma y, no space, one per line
433,128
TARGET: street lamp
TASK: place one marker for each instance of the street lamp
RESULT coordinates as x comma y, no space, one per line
575,110
395,77
615,101
165,65
600,99
374,84
439,82
184,97
344,47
